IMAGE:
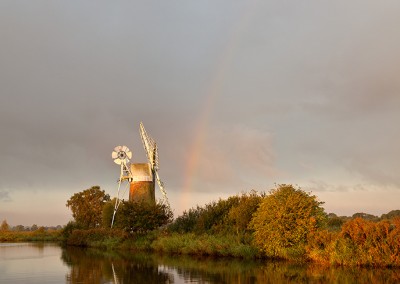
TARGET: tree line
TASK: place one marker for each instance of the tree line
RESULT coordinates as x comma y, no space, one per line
21,228
287,223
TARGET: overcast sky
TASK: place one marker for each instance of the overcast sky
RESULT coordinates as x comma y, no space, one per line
238,95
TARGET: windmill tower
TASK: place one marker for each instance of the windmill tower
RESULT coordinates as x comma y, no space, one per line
141,177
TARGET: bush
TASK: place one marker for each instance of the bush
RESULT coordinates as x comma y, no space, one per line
240,215
187,222
96,237
359,243
223,216
284,220
213,217
141,217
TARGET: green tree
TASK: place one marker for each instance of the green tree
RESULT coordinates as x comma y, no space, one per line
240,215
139,217
108,211
187,221
213,216
4,226
87,206
284,219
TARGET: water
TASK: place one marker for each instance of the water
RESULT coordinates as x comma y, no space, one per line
49,263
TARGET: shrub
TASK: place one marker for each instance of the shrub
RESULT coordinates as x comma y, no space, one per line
142,217
231,215
96,237
284,220
240,215
187,222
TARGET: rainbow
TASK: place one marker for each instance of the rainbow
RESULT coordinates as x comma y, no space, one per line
212,94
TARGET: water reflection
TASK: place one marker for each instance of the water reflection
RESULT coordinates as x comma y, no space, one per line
96,266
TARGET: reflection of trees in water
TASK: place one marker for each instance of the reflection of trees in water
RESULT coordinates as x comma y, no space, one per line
242,271
95,266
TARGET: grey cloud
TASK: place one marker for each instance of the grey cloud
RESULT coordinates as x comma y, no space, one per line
322,186
297,86
5,196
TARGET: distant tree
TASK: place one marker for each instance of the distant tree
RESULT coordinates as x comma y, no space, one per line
19,228
34,227
392,214
4,226
41,230
365,216
284,220
335,223
332,215
87,206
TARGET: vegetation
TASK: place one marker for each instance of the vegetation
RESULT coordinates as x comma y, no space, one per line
4,227
284,220
39,235
360,243
230,216
137,217
87,207
205,245
288,223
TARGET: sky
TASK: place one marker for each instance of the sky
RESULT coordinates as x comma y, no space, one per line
238,95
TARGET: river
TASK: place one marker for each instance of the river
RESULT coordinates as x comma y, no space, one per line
50,263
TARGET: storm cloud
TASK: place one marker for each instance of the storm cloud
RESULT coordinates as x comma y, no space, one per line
302,93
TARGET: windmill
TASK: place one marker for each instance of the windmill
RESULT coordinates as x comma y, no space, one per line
140,177
121,156
151,150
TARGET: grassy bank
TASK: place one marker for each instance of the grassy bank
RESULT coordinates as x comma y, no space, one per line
359,243
205,245
35,236
163,242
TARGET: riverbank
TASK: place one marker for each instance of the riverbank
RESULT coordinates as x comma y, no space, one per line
359,243
163,242
31,236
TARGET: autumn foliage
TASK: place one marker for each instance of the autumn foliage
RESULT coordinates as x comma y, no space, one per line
284,220
359,243
87,207
288,223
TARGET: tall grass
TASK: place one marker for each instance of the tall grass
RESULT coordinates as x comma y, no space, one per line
205,245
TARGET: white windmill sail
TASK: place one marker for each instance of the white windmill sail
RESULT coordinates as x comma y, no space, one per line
152,155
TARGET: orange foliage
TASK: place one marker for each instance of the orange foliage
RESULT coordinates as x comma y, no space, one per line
360,242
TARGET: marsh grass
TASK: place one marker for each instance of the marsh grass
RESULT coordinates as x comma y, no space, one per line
205,245
35,236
